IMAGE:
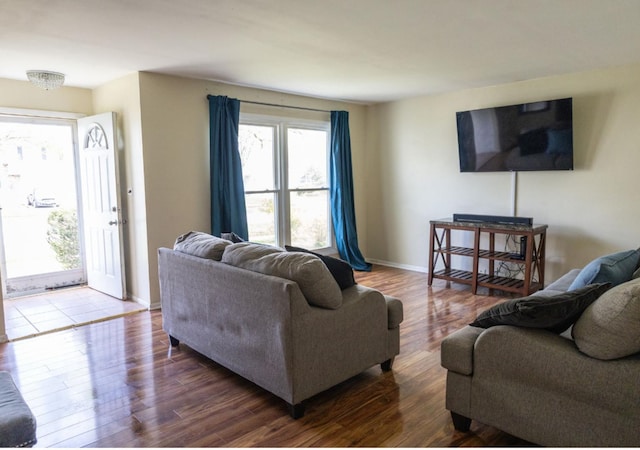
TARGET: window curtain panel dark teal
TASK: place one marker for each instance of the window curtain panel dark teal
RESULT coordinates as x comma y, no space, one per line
228,209
341,190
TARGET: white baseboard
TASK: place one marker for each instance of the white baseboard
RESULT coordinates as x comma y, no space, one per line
398,266
142,302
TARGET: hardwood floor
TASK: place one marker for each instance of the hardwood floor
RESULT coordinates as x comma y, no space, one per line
116,384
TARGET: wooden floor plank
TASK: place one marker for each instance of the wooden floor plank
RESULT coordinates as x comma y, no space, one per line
119,384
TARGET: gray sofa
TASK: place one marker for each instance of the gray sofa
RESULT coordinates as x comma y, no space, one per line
548,388
264,327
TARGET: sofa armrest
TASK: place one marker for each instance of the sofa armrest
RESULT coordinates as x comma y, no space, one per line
395,314
546,362
330,346
456,350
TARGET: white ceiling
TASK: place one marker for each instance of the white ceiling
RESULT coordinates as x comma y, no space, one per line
358,50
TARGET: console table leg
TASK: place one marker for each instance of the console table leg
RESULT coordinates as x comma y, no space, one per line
432,239
476,260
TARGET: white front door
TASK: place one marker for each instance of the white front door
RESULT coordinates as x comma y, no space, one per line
102,219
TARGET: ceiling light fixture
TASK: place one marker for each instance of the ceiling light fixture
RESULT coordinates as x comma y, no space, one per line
45,79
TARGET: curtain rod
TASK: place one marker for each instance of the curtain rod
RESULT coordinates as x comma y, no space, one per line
285,106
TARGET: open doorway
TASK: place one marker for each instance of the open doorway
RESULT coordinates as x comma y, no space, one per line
41,245
42,256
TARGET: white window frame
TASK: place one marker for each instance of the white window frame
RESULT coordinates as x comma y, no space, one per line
281,189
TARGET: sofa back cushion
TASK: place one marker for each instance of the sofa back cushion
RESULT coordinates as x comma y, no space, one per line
610,327
341,270
307,270
203,245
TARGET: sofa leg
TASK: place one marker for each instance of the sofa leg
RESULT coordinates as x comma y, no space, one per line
387,365
460,423
173,341
296,411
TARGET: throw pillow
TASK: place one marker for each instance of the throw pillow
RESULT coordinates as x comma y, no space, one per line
340,270
610,327
231,236
615,269
308,271
555,313
201,244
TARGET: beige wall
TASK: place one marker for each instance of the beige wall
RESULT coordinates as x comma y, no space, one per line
175,133
164,131
122,96
404,159
22,94
590,211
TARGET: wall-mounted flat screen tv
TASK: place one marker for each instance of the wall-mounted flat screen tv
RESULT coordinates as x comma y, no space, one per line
525,137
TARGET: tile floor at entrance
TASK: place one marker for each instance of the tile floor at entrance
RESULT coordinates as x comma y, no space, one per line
61,309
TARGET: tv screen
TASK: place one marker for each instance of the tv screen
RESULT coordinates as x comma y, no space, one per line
525,137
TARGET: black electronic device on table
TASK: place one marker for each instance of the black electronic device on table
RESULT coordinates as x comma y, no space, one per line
510,220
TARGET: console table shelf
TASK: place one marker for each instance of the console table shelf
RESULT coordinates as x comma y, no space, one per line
532,261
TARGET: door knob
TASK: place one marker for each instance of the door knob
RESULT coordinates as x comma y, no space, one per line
113,222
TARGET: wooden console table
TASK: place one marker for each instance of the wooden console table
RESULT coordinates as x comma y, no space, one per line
533,260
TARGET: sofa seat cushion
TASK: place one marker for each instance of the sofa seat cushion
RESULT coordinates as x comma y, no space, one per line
610,327
555,313
307,270
203,245
615,268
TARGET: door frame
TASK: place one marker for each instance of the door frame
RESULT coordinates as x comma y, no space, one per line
54,278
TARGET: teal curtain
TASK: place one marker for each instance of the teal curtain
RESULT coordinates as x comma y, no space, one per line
341,190
228,209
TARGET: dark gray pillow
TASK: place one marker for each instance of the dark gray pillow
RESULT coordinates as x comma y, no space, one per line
231,236
555,313
340,270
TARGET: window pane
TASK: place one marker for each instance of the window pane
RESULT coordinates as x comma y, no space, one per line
261,218
256,152
307,158
309,219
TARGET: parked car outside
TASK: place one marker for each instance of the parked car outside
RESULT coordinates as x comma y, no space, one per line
41,199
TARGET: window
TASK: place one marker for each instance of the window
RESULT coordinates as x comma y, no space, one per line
286,180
